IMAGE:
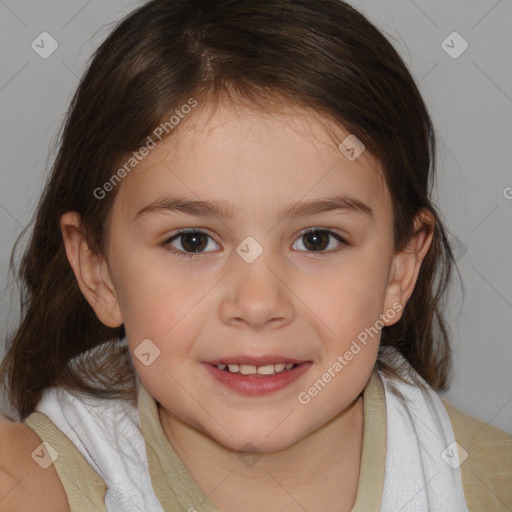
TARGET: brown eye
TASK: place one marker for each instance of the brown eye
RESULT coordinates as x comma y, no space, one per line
318,240
194,242
189,243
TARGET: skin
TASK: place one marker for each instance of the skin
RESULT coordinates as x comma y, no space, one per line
22,481
291,300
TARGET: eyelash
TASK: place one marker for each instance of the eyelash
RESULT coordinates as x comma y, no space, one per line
190,255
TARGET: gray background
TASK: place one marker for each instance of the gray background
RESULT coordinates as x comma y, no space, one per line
470,100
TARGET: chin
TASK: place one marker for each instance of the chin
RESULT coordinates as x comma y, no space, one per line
257,439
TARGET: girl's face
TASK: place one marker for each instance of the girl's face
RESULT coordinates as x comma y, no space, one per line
256,286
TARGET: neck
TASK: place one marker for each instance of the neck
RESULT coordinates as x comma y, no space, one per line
319,472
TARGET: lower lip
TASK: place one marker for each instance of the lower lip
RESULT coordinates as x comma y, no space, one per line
254,385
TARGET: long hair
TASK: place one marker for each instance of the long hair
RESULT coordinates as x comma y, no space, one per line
315,54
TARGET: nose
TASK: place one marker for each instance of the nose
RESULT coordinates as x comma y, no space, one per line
256,295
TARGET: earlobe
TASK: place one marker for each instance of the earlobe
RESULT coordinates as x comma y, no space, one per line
91,271
406,265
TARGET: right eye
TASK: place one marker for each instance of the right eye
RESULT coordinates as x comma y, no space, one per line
192,243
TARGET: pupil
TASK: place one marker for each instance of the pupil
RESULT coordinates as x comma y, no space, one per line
317,237
195,242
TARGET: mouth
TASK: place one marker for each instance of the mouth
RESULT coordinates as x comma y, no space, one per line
261,377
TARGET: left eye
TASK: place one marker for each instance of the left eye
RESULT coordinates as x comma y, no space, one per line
192,241
318,240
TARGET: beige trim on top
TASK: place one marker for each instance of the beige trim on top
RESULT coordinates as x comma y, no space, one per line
84,488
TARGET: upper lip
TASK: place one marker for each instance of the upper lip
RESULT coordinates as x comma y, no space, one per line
256,361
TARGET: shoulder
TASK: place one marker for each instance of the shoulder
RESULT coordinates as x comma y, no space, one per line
485,453
23,480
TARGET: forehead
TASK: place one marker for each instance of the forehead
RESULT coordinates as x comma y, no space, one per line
255,159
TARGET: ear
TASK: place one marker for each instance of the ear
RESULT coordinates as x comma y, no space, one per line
91,271
406,265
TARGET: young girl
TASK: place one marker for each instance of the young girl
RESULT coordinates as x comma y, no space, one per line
233,293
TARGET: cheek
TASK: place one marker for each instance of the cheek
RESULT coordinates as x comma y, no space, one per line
166,308
153,295
350,309
346,299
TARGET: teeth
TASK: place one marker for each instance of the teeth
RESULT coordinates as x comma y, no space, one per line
267,369
249,369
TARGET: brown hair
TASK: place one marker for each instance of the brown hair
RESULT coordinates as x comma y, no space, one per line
319,54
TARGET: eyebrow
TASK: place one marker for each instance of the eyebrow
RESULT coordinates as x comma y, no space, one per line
226,210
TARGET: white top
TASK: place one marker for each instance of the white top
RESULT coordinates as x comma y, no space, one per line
107,432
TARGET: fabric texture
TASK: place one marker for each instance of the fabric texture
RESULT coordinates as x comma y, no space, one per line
107,434
487,471
122,460
422,462
84,488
